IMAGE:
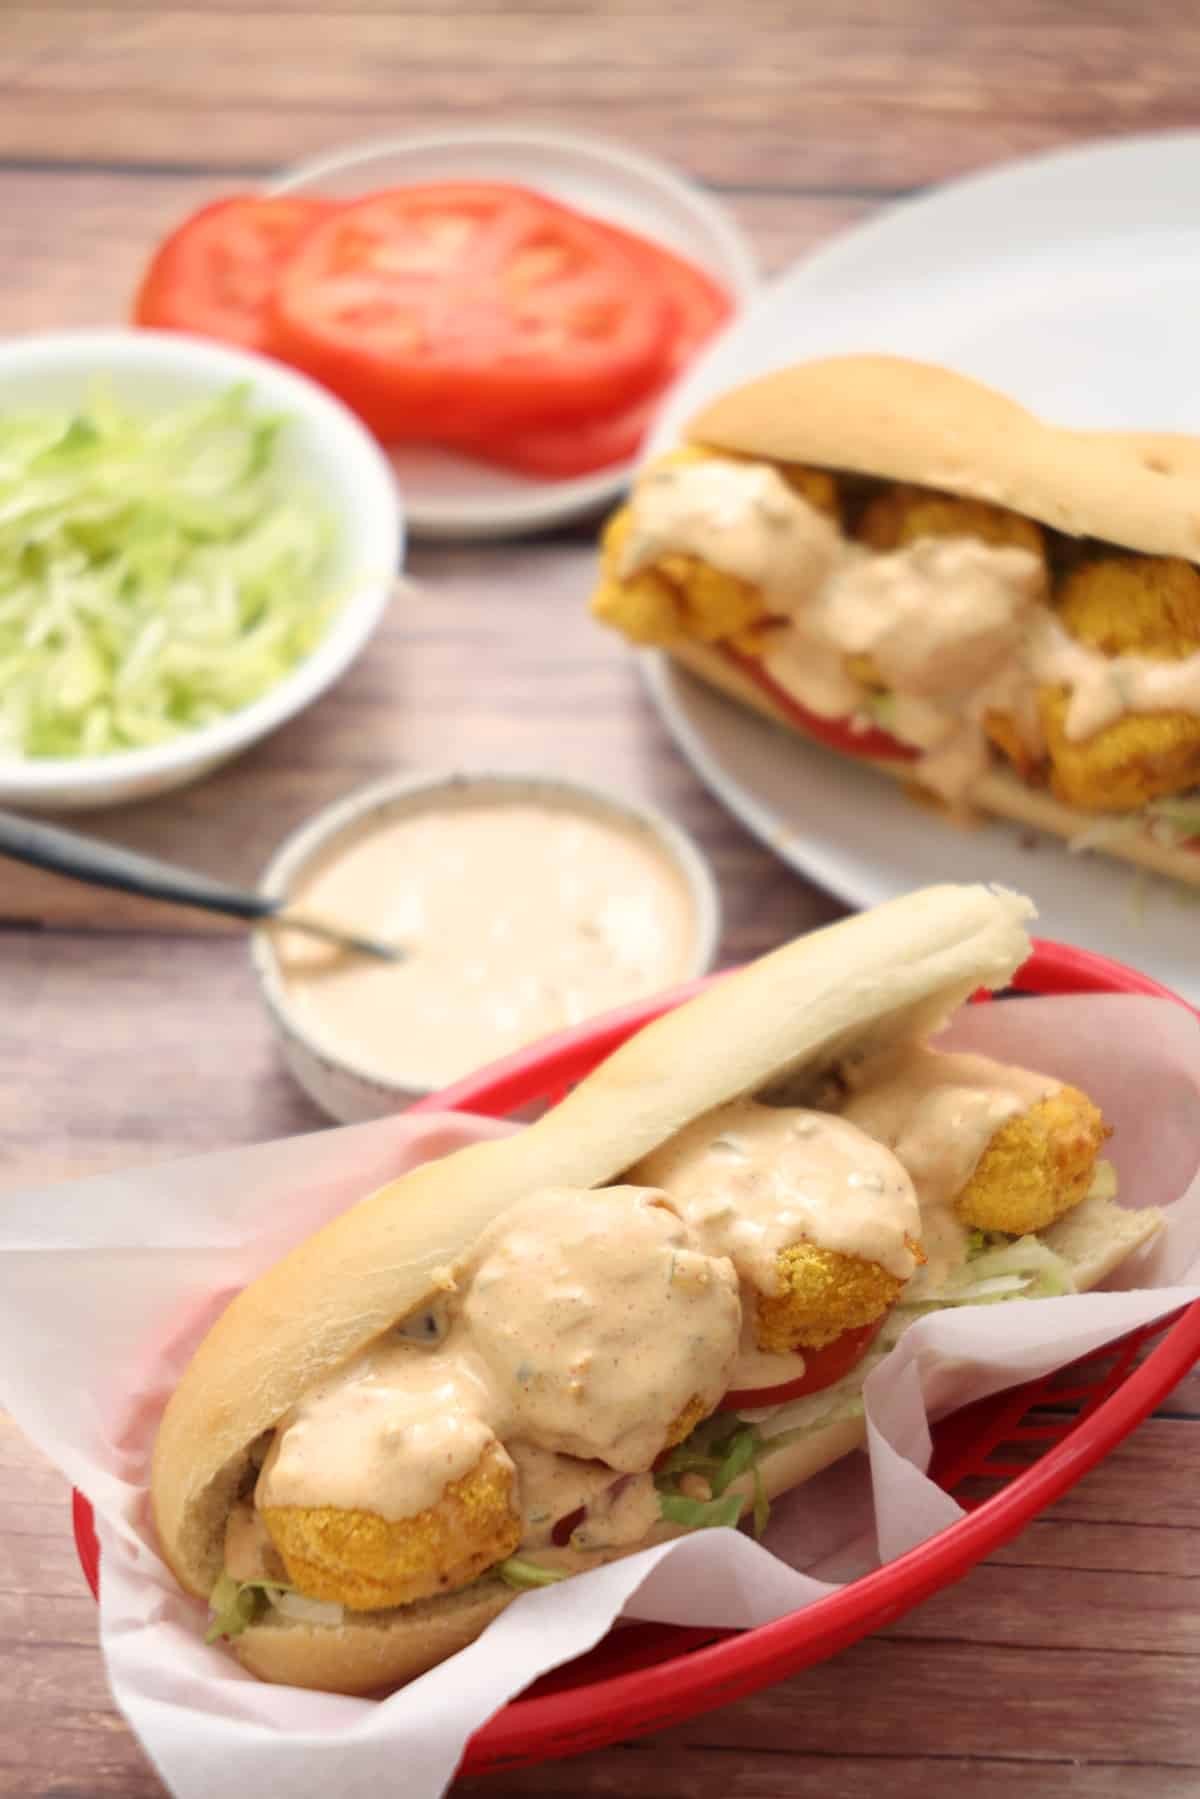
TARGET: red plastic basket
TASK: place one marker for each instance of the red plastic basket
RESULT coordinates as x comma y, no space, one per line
645,1676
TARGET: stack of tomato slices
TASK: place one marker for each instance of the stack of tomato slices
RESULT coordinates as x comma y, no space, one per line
479,317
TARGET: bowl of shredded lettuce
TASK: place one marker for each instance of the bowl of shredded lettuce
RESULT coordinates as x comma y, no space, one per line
195,542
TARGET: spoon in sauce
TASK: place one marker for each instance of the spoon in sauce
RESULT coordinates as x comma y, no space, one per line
99,864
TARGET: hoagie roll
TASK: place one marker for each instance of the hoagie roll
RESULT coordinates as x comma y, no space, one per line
559,1347
892,560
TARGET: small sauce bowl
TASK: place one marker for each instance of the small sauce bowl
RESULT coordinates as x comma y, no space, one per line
351,1087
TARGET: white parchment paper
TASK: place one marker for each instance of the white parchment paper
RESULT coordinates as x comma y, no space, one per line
107,1284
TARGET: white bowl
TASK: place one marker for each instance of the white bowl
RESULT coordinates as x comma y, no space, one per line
450,496
150,371
353,1092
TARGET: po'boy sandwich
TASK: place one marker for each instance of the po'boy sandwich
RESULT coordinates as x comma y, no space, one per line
912,570
649,1312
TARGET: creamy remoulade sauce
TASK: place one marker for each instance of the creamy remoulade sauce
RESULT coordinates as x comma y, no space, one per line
937,1113
388,1435
955,628
588,1323
570,1306
753,1180
518,919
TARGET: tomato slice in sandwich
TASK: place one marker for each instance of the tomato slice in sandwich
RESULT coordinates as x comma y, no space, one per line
451,308
837,733
214,273
822,1367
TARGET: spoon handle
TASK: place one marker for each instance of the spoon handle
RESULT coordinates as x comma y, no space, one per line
106,865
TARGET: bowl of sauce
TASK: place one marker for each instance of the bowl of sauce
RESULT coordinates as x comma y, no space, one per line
522,905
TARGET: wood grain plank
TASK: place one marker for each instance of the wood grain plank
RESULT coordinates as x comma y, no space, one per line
91,1005
747,1773
858,97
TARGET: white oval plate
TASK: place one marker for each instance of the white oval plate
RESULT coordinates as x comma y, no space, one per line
448,496
1071,282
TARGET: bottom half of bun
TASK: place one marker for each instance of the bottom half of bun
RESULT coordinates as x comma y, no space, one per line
371,1653
1000,793
376,1651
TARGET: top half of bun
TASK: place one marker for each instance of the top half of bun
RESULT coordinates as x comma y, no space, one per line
910,421
891,973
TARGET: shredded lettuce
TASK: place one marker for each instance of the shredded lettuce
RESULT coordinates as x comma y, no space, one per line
1172,821
762,1505
721,1449
726,1446
516,1572
700,1514
1175,820
1104,1181
997,1268
881,710
155,573
301,1609
237,1604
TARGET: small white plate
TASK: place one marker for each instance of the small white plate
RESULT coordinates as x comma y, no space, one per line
448,496
1071,282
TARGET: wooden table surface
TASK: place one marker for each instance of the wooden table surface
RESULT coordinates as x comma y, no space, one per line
1068,1664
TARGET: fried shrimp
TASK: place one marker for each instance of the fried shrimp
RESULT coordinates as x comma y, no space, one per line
1036,1167
680,597
902,514
1133,606
822,1293
367,1562
1127,606
819,1220
1142,757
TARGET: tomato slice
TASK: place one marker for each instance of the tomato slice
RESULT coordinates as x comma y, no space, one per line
214,273
835,732
559,452
456,307
822,1367
556,451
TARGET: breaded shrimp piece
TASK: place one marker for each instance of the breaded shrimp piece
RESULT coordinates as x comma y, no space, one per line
822,1293
1142,757
1127,606
1133,606
816,485
902,514
680,597
1035,1167
761,1184
366,1562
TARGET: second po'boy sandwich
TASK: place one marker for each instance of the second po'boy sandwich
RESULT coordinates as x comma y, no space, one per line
911,569
649,1312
